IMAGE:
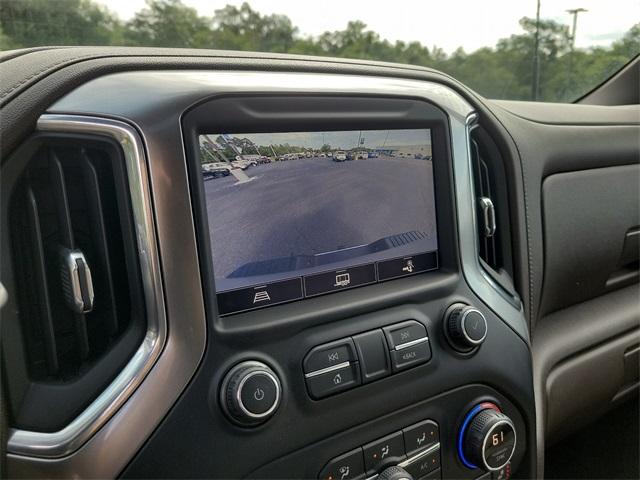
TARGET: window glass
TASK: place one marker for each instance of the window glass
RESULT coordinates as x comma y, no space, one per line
552,50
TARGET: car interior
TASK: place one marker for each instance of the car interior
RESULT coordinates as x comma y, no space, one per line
227,264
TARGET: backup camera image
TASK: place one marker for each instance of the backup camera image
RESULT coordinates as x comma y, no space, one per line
291,205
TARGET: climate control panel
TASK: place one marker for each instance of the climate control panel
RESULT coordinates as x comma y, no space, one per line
482,447
415,449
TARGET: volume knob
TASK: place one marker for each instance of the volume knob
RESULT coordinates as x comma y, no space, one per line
250,393
465,327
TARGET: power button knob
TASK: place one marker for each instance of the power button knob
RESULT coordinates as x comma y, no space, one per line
250,393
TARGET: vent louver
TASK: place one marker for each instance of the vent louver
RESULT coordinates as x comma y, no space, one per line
485,202
74,267
492,209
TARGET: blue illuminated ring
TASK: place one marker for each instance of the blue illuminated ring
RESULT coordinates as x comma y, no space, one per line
465,424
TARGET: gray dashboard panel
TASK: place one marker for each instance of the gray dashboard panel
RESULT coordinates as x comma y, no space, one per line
546,138
586,215
571,114
152,101
143,97
552,139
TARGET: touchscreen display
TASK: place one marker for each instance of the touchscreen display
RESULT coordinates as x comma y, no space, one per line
299,214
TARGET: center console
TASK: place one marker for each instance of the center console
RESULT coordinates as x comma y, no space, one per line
352,331
338,203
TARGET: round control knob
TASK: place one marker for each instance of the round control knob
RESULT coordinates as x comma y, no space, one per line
465,327
487,438
394,473
250,393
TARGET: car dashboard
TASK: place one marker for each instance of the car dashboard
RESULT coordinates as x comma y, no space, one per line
149,362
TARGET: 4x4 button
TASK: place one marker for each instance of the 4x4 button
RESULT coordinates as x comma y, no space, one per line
411,355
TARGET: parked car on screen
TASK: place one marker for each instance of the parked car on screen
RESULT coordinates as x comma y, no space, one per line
340,156
361,155
373,155
242,164
215,169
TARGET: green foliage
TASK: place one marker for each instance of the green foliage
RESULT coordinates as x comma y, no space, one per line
503,71
242,28
168,23
32,23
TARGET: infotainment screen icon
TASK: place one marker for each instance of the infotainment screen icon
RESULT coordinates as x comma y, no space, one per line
334,210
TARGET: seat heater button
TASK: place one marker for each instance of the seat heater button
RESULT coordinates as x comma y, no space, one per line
420,436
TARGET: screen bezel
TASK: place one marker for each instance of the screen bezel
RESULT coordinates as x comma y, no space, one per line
268,113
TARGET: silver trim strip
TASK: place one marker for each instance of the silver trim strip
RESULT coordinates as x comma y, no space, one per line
85,425
3,295
332,368
494,296
433,448
412,343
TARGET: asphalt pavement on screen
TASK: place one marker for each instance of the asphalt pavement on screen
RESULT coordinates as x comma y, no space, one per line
315,205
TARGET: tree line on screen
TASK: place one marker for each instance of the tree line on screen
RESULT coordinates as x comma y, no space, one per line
219,148
502,71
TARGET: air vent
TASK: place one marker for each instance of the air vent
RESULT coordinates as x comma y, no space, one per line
492,215
486,209
78,312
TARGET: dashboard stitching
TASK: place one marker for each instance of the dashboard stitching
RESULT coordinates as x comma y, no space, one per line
48,67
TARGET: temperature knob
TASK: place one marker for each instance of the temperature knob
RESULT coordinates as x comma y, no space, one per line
465,327
394,473
250,393
487,438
